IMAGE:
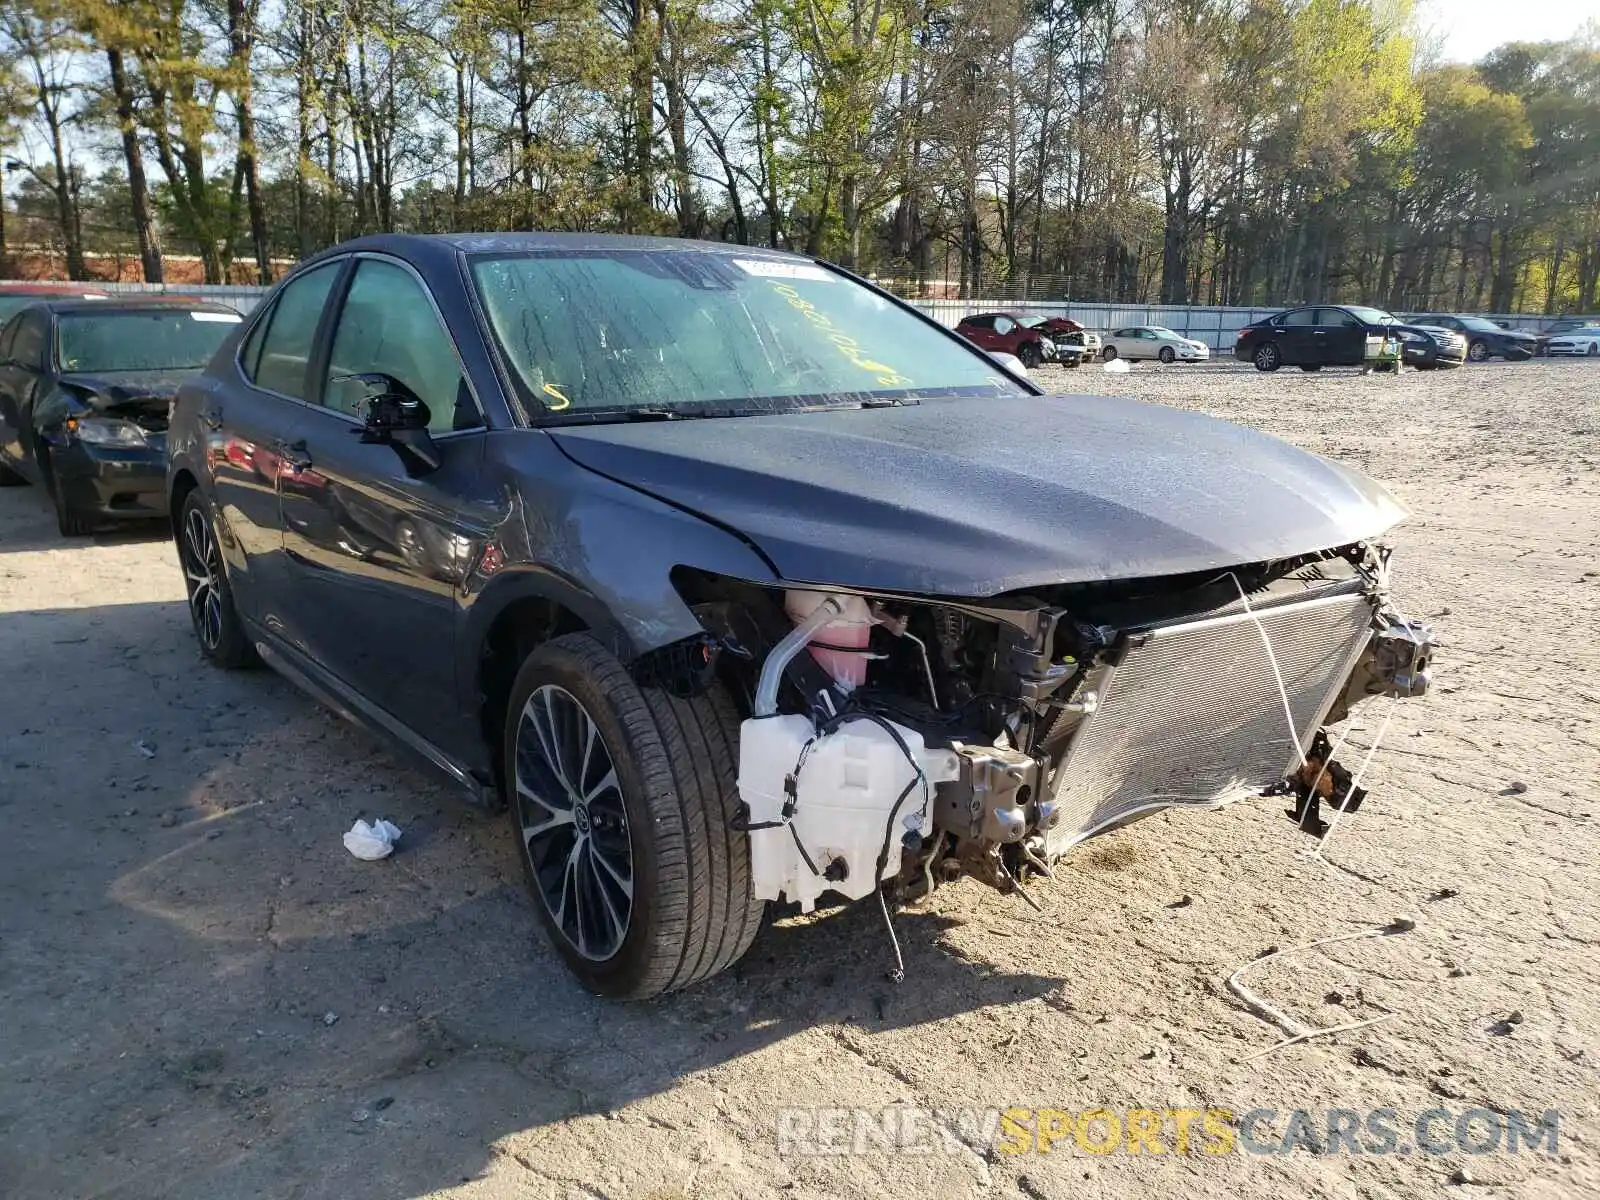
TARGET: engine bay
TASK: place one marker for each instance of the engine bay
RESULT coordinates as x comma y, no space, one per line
909,741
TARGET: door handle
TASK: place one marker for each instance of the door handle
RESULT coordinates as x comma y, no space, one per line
211,416
294,455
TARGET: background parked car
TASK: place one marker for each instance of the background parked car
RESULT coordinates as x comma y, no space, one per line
1558,327
1343,335
1153,341
1584,340
1485,339
85,387
1007,333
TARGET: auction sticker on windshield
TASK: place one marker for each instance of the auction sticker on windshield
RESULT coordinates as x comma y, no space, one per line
768,268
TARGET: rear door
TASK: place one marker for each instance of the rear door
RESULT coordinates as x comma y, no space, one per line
1300,341
373,552
980,331
1343,338
247,423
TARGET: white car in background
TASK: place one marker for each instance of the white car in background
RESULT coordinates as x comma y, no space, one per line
1153,341
1574,342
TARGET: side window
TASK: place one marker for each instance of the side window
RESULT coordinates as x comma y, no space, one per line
1300,317
979,322
250,352
1123,333
1004,324
388,324
1336,318
279,362
27,343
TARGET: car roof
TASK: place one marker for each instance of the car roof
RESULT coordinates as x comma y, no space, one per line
63,290
134,304
438,246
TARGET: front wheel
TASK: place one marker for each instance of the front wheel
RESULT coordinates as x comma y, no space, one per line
1478,351
69,522
1594,350
1031,355
623,800
216,622
1268,358
1168,354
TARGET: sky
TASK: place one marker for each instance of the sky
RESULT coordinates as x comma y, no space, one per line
1469,29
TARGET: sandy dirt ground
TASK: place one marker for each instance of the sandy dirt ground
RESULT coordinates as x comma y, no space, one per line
203,995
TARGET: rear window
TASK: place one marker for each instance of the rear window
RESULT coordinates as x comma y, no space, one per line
162,339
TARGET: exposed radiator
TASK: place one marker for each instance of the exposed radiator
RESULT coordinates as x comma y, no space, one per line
1192,715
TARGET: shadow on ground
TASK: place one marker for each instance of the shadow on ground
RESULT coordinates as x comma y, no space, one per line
207,996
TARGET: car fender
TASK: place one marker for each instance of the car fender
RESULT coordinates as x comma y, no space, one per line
601,549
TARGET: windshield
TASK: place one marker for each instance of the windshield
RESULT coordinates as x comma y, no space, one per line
697,332
1373,316
157,339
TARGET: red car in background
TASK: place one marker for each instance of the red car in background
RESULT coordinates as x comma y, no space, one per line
1031,337
16,296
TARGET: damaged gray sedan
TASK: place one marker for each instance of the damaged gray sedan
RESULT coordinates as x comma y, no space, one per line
756,585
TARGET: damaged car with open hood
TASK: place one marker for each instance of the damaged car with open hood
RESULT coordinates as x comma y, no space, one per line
762,586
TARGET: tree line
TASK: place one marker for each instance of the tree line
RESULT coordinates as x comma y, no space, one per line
1171,151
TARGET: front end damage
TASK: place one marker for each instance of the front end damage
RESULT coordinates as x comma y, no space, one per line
904,740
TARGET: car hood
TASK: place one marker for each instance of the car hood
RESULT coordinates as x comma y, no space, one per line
974,497
120,389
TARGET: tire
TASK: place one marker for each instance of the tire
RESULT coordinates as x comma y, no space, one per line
1108,353
1072,361
1268,357
11,478
681,869
69,524
1168,354
1030,355
1311,368
1593,351
216,621
1478,351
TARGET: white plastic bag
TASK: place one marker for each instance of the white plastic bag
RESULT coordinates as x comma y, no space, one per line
372,841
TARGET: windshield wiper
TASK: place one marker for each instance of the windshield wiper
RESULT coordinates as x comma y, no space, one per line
887,402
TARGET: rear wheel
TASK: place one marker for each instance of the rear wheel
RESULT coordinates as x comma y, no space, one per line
622,799
216,622
1268,358
1108,353
1168,354
1478,351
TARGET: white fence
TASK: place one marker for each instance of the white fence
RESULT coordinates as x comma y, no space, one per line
1216,327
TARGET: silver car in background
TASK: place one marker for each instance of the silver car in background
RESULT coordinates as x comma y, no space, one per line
1156,342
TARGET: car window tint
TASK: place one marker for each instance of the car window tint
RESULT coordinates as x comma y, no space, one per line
388,324
1300,317
979,322
1004,324
6,335
291,328
27,346
1336,318
250,352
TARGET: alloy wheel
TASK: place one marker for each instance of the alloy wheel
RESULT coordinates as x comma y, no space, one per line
574,823
202,567
1477,352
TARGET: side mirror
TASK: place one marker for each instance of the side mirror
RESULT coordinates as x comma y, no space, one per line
394,415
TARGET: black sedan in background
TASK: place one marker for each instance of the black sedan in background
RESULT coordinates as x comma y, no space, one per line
1485,339
1344,335
84,392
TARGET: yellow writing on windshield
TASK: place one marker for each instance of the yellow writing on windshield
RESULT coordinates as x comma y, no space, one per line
551,389
843,342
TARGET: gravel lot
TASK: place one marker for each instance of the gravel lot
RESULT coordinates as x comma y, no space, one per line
203,995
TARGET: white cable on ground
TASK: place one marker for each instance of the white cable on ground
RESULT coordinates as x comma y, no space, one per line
1272,659
1299,1032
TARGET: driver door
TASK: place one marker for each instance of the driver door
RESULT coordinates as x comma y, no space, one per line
1343,337
373,549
